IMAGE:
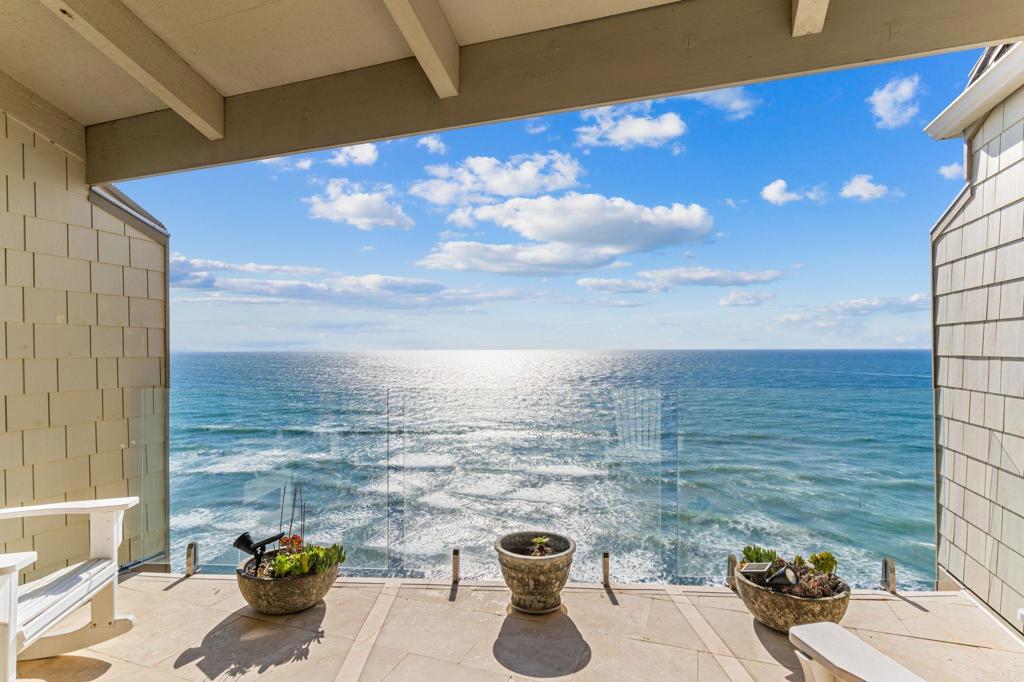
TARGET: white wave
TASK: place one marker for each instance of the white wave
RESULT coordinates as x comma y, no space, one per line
441,500
193,518
572,470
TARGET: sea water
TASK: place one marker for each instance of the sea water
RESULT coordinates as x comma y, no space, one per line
669,460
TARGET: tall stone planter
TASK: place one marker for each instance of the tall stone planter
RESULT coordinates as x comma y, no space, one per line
536,582
782,611
279,596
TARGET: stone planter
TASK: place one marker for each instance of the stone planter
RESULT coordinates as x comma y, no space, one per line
536,582
278,596
783,611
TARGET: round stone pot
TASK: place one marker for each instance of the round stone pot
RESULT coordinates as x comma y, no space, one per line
278,596
536,582
783,611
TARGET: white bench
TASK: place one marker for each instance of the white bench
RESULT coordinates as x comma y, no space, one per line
828,652
28,611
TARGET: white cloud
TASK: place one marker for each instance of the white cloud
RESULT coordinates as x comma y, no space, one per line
569,233
737,103
895,103
346,201
863,188
744,298
480,179
777,192
652,281
628,126
536,127
433,144
952,171
515,259
876,305
357,154
599,221
849,315
287,163
319,286
367,249
181,265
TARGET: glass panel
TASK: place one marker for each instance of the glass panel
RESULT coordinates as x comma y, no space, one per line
669,480
252,459
845,469
482,463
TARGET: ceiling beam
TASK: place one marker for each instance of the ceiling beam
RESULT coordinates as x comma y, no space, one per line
41,117
426,30
124,39
809,17
665,50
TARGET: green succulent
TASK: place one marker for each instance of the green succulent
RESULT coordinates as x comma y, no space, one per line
540,546
752,554
823,562
798,561
312,559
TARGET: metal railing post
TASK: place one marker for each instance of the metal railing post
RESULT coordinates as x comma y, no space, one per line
191,559
606,578
888,581
455,565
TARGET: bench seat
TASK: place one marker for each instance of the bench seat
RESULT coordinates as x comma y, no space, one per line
43,602
830,652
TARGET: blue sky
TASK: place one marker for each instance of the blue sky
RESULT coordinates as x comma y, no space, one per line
792,214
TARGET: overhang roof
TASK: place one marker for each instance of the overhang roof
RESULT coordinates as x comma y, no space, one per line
140,87
997,75
240,46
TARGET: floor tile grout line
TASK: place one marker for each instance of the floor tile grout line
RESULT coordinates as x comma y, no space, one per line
359,652
729,663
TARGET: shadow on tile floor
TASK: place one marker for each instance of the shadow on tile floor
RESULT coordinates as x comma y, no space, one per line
778,647
71,668
541,646
238,645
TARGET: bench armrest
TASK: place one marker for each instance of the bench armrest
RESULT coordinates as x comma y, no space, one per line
14,562
79,507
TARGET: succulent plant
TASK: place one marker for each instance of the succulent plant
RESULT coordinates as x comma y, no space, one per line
752,554
823,562
816,576
540,546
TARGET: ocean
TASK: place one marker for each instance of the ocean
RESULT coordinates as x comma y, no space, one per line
669,460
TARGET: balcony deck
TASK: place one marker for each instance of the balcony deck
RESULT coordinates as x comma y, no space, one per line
405,630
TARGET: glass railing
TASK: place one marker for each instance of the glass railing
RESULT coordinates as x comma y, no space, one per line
849,470
280,460
130,460
669,480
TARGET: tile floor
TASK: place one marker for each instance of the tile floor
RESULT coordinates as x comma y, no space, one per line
200,629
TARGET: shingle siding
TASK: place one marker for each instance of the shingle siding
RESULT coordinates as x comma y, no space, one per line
978,270
82,317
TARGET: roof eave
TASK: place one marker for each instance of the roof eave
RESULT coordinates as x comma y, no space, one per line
993,86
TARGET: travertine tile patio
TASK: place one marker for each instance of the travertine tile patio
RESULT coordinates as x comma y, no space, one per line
200,629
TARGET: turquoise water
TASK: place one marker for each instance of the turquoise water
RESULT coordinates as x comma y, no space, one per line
670,460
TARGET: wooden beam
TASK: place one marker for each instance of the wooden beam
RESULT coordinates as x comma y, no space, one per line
129,43
428,34
665,50
41,117
809,17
